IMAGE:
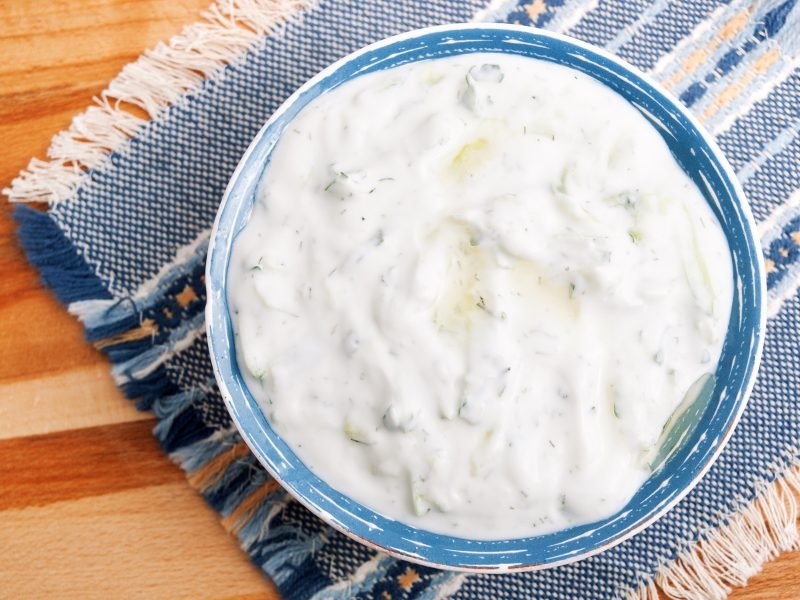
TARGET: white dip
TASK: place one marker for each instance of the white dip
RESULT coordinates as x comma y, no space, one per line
473,290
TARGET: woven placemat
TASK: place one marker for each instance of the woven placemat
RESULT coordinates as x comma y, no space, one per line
131,202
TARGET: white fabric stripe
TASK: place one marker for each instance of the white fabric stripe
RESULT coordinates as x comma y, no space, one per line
449,588
172,347
627,33
570,14
772,148
497,10
771,227
182,254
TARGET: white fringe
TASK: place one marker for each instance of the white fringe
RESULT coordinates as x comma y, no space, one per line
646,591
153,82
736,551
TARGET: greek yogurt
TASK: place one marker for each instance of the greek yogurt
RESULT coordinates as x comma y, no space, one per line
473,291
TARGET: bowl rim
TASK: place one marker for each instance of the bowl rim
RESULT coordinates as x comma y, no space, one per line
708,140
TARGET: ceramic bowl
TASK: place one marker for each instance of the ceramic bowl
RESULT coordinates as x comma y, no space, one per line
704,430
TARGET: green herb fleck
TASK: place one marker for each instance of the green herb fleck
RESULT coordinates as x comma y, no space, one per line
462,405
378,237
330,185
481,304
635,235
625,200
257,266
354,434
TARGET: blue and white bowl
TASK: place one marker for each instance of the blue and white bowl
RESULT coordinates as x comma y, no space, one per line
701,437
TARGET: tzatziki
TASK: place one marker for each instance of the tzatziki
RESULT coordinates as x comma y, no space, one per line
473,291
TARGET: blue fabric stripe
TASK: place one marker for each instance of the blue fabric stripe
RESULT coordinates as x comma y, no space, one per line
61,267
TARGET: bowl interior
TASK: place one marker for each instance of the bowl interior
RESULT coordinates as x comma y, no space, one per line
700,444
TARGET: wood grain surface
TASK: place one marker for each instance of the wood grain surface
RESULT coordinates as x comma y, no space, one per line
89,506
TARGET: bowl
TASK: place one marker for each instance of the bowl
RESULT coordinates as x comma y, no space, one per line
701,435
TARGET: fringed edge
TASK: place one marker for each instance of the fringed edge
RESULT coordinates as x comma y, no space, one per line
221,467
155,81
60,266
732,554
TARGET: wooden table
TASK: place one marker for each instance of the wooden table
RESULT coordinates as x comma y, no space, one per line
89,506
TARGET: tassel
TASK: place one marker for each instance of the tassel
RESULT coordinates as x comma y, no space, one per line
62,269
